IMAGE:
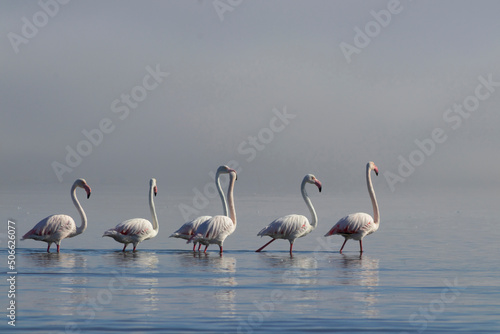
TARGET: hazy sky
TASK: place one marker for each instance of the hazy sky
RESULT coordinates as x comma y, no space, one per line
173,89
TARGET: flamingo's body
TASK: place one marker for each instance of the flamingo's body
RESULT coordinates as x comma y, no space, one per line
292,227
57,227
358,225
218,228
188,229
134,231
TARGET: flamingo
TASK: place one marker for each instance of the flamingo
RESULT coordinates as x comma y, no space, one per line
188,229
218,228
358,225
136,230
54,228
292,227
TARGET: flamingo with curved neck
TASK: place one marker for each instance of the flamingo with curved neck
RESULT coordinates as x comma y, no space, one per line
54,228
188,229
137,230
293,226
218,228
358,225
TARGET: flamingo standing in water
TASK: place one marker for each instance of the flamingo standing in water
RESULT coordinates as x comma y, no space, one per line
218,228
358,225
188,229
137,230
57,227
292,227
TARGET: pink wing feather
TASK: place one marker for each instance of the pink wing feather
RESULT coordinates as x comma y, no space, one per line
352,224
50,226
188,229
285,227
135,226
214,228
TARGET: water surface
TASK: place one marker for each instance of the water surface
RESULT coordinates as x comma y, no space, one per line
431,267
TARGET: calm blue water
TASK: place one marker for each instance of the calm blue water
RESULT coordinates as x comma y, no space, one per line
432,267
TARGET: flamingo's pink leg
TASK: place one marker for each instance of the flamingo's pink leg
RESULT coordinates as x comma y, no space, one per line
125,246
341,248
48,248
58,248
199,246
205,251
194,247
261,248
360,246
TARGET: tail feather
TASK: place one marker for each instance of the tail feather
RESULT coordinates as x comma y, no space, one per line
109,233
29,234
331,232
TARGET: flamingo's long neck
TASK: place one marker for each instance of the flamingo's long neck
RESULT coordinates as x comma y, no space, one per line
221,193
152,208
230,197
314,217
376,214
80,229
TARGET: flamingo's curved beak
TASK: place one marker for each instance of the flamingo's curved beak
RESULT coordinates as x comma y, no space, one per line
87,190
155,190
376,170
318,184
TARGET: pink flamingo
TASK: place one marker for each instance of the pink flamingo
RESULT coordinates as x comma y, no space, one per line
188,229
292,227
57,227
137,230
218,228
358,225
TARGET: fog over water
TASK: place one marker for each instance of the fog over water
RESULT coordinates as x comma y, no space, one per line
120,91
